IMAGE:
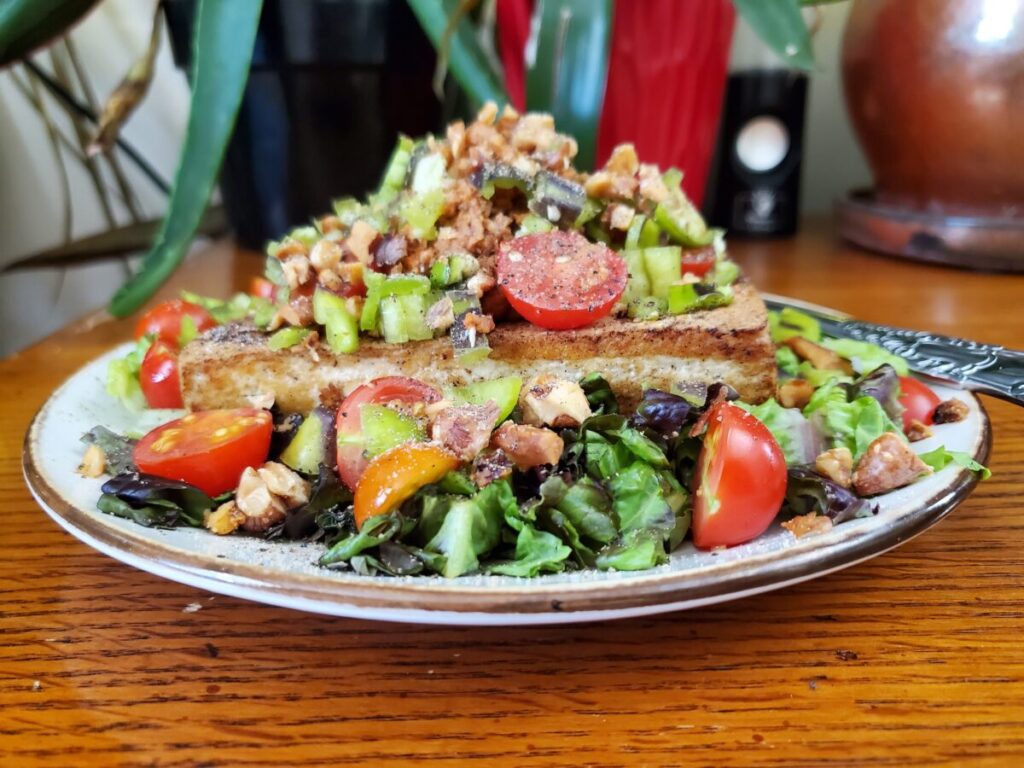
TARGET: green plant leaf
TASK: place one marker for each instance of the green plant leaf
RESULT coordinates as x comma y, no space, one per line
223,38
570,67
466,59
780,24
29,24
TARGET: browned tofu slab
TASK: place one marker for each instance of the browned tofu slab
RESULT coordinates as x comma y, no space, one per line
230,365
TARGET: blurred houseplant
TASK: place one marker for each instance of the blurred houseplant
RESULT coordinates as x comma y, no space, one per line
566,74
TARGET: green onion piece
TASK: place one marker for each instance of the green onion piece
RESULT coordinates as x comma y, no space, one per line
649,308
792,322
421,212
534,224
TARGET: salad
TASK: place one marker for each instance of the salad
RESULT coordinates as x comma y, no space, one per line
523,478
526,474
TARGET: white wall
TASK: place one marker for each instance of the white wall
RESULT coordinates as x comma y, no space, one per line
35,302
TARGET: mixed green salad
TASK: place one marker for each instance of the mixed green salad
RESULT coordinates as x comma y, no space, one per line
525,478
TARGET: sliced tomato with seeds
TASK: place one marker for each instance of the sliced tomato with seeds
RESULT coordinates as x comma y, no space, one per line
918,402
207,449
560,280
397,474
740,480
158,376
699,261
389,389
164,320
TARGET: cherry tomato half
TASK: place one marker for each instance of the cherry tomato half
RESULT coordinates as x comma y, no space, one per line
351,461
262,288
395,475
560,280
164,320
740,479
918,401
207,449
159,376
699,261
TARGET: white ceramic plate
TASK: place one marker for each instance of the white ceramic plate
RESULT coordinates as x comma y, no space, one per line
285,573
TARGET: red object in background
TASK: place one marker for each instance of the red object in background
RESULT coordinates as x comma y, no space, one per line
666,79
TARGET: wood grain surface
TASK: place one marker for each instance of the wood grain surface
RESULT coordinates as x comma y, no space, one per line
914,658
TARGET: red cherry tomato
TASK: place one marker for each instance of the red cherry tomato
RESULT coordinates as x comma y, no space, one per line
560,280
740,479
159,376
918,401
207,449
351,461
262,288
164,320
699,261
395,475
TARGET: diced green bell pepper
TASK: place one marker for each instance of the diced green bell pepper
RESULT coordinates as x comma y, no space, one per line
664,267
384,428
342,327
503,391
287,337
678,216
305,452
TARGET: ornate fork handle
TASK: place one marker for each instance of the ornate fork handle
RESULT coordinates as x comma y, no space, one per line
987,368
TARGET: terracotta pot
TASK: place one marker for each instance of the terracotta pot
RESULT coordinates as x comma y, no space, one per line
935,91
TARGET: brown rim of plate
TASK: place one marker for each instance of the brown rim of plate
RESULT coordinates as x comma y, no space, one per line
635,591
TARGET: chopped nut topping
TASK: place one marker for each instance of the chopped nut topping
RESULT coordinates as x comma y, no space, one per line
94,462
227,518
528,446
490,467
620,216
820,357
554,402
837,465
887,464
479,323
265,495
795,393
296,270
950,411
464,430
807,525
361,241
918,431
291,247
326,254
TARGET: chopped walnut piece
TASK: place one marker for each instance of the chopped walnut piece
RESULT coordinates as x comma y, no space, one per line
330,223
296,270
554,402
480,283
918,430
490,467
807,525
652,186
528,446
623,160
479,323
465,430
326,255
620,216
487,113
266,494
887,464
836,464
361,241
262,400
94,462
820,357
795,393
291,247
227,518
950,411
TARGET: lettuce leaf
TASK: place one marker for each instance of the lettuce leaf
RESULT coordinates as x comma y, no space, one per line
853,424
123,376
637,550
536,552
807,491
798,438
864,356
941,457
638,500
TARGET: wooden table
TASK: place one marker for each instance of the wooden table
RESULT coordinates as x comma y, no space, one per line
914,658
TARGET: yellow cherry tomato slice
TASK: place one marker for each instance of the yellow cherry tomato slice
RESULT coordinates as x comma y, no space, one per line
395,475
